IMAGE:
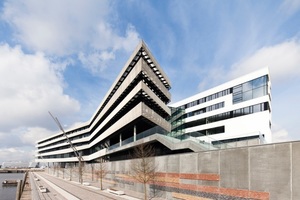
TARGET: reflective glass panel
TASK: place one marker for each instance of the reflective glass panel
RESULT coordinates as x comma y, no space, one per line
256,108
247,95
246,110
259,82
237,88
259,92
247,86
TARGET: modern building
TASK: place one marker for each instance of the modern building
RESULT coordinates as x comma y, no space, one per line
135,110
134,107
235,112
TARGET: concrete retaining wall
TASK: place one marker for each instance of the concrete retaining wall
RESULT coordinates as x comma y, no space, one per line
258,172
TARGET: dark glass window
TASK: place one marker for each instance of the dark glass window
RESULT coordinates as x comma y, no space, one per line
227,115
250,90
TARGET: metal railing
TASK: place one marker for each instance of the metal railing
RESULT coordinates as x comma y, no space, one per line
152,131
200,139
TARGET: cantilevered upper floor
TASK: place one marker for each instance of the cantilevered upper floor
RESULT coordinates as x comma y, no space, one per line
136,103
135,110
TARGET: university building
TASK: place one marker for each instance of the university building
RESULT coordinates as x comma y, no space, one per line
136,110
235,113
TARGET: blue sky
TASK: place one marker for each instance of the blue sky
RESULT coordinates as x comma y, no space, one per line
63,56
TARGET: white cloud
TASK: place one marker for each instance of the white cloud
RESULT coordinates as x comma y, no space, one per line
96,62
280,134
24,136
30,86
129,42
34,134
282,59
290,6
55,27
16,154
104,47
212,77
68,27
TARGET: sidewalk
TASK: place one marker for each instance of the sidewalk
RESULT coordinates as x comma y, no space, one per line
74,191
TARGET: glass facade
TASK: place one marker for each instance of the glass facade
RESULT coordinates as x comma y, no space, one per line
206,99
220,142
206,109
250,90
231,114
246,91
210,131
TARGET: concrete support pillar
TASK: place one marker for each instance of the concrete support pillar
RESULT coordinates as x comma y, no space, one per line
121,139
134,133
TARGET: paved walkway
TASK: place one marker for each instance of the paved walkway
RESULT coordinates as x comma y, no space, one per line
74,191
32,192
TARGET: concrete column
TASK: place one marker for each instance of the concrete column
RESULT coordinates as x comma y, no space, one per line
134,133
120,139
